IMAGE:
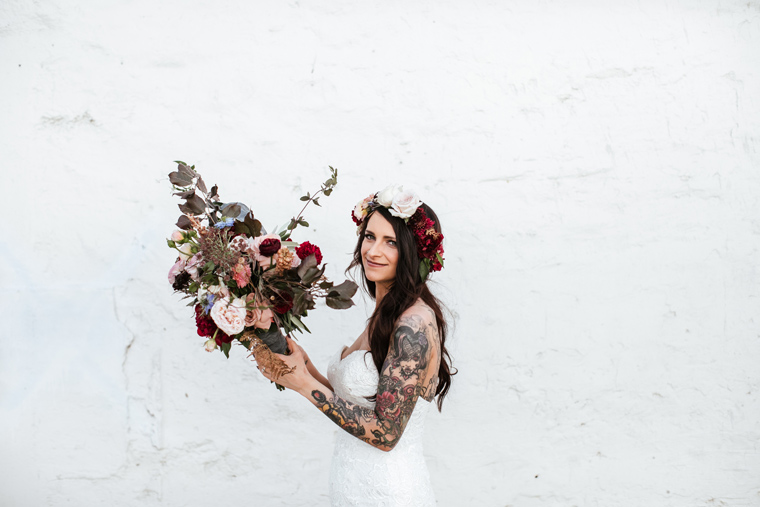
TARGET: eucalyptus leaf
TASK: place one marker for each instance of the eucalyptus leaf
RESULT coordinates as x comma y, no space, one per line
201,185
346,290
184,223
185,194
310,275
339,304
180,180
307,264
197,204
185,171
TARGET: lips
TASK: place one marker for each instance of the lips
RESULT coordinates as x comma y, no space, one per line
374,264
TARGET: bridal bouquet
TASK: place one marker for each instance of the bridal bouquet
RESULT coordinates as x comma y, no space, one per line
243,283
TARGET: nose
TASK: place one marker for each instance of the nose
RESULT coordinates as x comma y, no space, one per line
374,250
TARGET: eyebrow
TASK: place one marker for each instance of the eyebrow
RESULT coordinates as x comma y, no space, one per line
368,231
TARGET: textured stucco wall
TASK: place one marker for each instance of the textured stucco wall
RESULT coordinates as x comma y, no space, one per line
596,169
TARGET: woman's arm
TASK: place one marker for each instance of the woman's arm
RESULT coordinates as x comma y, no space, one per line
310,366
406,375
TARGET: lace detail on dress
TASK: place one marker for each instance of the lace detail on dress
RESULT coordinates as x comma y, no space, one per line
362,475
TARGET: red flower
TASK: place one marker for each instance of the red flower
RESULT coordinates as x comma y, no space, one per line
306,249
207,327
385,401
269,247
282,303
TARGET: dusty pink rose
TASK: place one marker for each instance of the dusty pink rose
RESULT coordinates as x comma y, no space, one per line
295,262
178,236
228,315
258,313
176,269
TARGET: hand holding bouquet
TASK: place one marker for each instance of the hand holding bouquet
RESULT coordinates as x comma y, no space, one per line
243,283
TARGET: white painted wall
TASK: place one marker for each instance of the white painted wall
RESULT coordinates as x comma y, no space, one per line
596,169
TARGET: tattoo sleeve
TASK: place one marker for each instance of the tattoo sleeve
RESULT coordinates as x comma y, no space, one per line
407,374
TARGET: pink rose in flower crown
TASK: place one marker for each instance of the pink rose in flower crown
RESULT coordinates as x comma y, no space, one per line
228,315
258,313
405,204
360,211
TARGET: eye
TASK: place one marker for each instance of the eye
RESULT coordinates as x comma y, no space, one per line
391,242
368,236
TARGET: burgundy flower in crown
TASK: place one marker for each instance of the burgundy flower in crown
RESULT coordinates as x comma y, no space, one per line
406,205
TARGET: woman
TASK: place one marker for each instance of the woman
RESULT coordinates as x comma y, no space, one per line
373,387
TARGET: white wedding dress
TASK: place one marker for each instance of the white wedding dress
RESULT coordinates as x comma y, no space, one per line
362,475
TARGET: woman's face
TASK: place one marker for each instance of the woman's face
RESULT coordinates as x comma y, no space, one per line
379,251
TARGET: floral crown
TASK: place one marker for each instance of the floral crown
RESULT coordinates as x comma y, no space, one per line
406,205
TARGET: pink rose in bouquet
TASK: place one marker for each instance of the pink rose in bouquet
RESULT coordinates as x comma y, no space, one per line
229,315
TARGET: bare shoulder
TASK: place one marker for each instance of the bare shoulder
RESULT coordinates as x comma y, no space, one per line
419,314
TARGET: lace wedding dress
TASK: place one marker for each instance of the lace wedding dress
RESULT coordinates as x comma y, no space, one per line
362,475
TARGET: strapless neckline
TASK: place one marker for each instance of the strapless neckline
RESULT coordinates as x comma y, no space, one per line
345,347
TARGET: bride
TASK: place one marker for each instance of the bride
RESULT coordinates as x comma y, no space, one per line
380,388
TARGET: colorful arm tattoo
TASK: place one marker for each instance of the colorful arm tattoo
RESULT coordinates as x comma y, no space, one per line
406,375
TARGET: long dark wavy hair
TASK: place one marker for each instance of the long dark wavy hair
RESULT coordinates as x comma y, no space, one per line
405,290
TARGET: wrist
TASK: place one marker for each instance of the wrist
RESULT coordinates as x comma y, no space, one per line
309,386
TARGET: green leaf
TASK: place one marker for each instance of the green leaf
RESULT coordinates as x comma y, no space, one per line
226,349
316,201
303,222
305,198
171,243
424,268
328,191
300,325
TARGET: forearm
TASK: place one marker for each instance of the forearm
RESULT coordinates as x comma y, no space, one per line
361,422
318,376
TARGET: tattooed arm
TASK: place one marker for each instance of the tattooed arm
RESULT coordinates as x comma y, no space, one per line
409,371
